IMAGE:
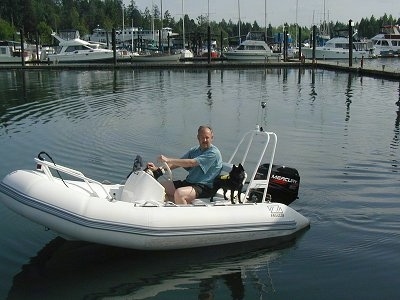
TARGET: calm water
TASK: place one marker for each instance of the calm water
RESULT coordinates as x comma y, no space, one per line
341,132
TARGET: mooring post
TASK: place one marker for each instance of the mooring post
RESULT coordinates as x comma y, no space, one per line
37,47
350,43
221,43
114,46
314,42
209,43
299,43
21,33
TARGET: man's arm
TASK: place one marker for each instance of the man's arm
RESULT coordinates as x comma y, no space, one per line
178,162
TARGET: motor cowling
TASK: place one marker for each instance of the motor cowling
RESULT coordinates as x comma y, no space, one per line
283,184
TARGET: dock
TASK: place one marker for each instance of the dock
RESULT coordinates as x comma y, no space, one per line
385,72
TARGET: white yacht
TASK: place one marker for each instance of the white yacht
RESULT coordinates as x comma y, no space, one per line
338,48
387,42
10,52
132,35
72,49
253,48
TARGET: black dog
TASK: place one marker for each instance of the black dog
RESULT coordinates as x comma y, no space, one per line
232,182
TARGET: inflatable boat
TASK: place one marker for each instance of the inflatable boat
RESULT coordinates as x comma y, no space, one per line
134,214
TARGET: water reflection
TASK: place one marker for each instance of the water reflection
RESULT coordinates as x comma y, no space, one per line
76,270
115,81
349,95
209,89
396,139
313,94
233,281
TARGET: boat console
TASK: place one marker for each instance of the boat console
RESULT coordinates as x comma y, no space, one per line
140,186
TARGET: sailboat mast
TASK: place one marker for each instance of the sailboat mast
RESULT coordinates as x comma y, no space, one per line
240,38
152,19
265,16
183,26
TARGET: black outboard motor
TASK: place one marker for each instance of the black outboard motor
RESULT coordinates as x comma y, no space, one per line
283,185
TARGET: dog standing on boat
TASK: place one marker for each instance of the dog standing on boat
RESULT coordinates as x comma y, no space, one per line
233,182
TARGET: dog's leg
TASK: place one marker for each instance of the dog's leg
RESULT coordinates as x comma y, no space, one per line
232,196
225,197
240,193
213,192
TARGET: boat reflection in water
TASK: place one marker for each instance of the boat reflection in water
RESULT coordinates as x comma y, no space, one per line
77,270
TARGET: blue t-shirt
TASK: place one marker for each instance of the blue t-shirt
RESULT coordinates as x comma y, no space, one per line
210,165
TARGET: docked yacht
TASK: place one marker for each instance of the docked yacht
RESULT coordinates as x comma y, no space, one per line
10,52
338,48
254,47
72,49
387,42
132,35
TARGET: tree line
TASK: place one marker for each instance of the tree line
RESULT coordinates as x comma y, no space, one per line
39,18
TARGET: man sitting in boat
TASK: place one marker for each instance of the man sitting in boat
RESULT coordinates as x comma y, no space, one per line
203,162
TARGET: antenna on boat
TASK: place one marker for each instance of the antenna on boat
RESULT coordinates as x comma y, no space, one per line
262,116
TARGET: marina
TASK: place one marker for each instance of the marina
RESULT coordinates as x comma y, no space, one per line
98,120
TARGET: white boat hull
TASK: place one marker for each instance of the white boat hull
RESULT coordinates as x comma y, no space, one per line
75,214
157,58
81,57
9,55
247,55
322,53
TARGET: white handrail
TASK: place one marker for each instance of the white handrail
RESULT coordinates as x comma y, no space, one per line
268,136
77,174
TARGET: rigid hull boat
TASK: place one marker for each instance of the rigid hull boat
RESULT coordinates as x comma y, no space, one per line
338,48
132,35
71,49
10,52
387,43
156,57
135,215
253,47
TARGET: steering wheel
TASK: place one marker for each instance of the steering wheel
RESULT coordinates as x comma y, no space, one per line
168,171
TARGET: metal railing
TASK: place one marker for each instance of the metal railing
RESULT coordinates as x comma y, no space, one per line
266,138
45,166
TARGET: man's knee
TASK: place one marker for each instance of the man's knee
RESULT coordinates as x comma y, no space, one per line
184,195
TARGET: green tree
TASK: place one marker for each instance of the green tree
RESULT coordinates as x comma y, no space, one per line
7,31
44,32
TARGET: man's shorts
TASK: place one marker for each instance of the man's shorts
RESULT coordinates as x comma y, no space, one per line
202,191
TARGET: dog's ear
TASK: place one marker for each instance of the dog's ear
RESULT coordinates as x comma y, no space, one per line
241,167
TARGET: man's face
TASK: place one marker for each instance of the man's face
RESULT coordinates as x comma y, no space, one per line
205,138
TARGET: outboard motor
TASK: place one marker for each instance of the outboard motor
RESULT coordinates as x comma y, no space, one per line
283,185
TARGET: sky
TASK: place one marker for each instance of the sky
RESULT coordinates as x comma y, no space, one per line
303,12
